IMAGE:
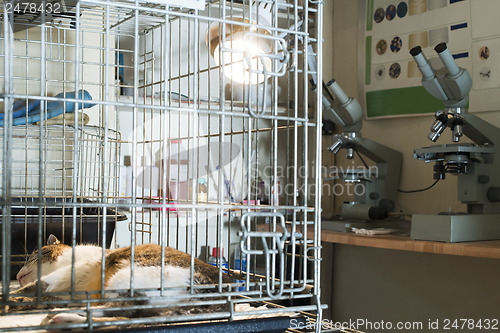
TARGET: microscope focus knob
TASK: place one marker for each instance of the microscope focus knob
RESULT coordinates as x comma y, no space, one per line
493,194
483,179
377,213
387,204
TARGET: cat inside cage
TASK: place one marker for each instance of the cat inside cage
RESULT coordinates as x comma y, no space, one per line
159,165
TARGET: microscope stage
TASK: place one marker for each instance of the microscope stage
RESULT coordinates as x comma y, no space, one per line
433,152
437,152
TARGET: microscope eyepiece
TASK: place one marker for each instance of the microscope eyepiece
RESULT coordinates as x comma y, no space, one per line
422,63
336,91
447,59
332,81
441,47
416,51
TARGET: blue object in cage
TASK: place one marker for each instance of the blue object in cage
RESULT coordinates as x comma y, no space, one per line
28,112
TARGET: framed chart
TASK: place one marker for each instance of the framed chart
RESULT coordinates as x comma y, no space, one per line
390,79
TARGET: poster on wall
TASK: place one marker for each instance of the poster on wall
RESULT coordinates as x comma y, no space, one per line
391,81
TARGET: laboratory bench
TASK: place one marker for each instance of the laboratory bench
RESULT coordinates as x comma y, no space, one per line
484,249
394,278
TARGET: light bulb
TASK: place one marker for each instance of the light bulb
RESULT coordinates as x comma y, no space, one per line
247,60
245,57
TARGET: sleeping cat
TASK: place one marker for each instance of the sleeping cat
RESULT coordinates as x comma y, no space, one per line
56,274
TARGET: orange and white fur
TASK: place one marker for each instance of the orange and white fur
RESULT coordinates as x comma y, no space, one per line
56,273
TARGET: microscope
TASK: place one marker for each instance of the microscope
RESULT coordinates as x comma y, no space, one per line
476,164
378,184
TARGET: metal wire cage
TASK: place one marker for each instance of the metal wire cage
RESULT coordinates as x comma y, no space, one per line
57,166
193,127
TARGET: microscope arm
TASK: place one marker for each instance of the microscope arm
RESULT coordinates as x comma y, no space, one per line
480,131
376,151
388,161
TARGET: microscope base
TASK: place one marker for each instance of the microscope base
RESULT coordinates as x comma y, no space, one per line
347,225
455,228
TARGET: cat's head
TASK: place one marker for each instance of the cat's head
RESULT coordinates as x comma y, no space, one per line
50,252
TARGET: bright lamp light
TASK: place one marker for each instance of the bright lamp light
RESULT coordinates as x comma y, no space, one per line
245,55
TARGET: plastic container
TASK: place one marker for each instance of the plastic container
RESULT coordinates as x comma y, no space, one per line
240,263
202,190
217,258
126,180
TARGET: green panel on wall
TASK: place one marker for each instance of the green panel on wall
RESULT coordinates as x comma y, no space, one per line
368,60
369,15
392,102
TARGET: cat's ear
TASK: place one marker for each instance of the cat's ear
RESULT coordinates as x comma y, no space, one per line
52,240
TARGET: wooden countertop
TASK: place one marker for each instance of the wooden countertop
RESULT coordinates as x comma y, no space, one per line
485,249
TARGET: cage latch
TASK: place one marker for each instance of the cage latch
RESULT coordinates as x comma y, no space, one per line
273,244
